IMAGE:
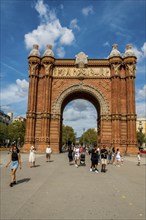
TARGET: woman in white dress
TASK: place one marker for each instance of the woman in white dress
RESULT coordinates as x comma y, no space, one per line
32,156
118,158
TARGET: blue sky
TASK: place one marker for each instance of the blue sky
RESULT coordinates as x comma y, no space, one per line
71,27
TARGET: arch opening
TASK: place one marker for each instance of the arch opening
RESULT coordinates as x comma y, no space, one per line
80,100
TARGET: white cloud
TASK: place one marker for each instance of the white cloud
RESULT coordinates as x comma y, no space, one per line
106,44
141,110
80,114
22,86
144,49
74,24
50,30
60,52
141,93
141,102
14,93
44,11
66,37
140,54
87,10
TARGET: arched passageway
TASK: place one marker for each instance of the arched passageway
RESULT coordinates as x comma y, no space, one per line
78,107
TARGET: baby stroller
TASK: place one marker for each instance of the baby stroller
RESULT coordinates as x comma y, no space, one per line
82,159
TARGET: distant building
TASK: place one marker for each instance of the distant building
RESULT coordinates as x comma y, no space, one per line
4,118
141,122
19,118
11,116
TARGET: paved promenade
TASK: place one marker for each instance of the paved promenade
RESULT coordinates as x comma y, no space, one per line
55,190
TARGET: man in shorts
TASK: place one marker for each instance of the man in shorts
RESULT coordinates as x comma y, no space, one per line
104,154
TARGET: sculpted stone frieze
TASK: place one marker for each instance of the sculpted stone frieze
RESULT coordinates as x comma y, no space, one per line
77,72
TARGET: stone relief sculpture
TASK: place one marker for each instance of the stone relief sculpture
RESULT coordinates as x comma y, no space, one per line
116,68
32,68
131,68
47,68
87,72
81,59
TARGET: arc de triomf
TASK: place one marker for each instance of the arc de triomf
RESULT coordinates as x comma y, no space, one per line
109,84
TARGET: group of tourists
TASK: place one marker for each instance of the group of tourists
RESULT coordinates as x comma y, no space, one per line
99,155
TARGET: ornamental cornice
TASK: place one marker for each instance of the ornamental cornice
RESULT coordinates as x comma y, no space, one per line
91,62
115,60
47,60
129,60
34,60
116,117
31,115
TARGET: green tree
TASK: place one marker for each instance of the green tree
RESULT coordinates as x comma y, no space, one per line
3,133
89,137
140,138
68,135
16,132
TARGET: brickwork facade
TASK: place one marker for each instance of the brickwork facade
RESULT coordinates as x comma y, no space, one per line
109,84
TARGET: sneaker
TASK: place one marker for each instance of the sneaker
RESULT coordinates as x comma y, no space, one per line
91,169
96,171
14,182
11,184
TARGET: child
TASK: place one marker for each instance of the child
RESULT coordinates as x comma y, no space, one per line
138,157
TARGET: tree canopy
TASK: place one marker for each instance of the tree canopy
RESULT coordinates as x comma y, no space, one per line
89,137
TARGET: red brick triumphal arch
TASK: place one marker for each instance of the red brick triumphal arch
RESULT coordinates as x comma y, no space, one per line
109,84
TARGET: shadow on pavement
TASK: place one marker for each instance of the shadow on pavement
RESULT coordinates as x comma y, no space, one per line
36,166
23,180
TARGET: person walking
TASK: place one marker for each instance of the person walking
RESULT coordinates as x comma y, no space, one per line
138,158
113,155
109,155
77,155
48,153
104,154
15,161
70,155
32,157
94,160
118,158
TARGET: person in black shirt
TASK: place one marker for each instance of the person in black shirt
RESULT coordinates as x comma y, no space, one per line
104,154
14,162
94,160
70,155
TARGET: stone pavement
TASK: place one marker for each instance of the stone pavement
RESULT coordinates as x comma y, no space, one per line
55,190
